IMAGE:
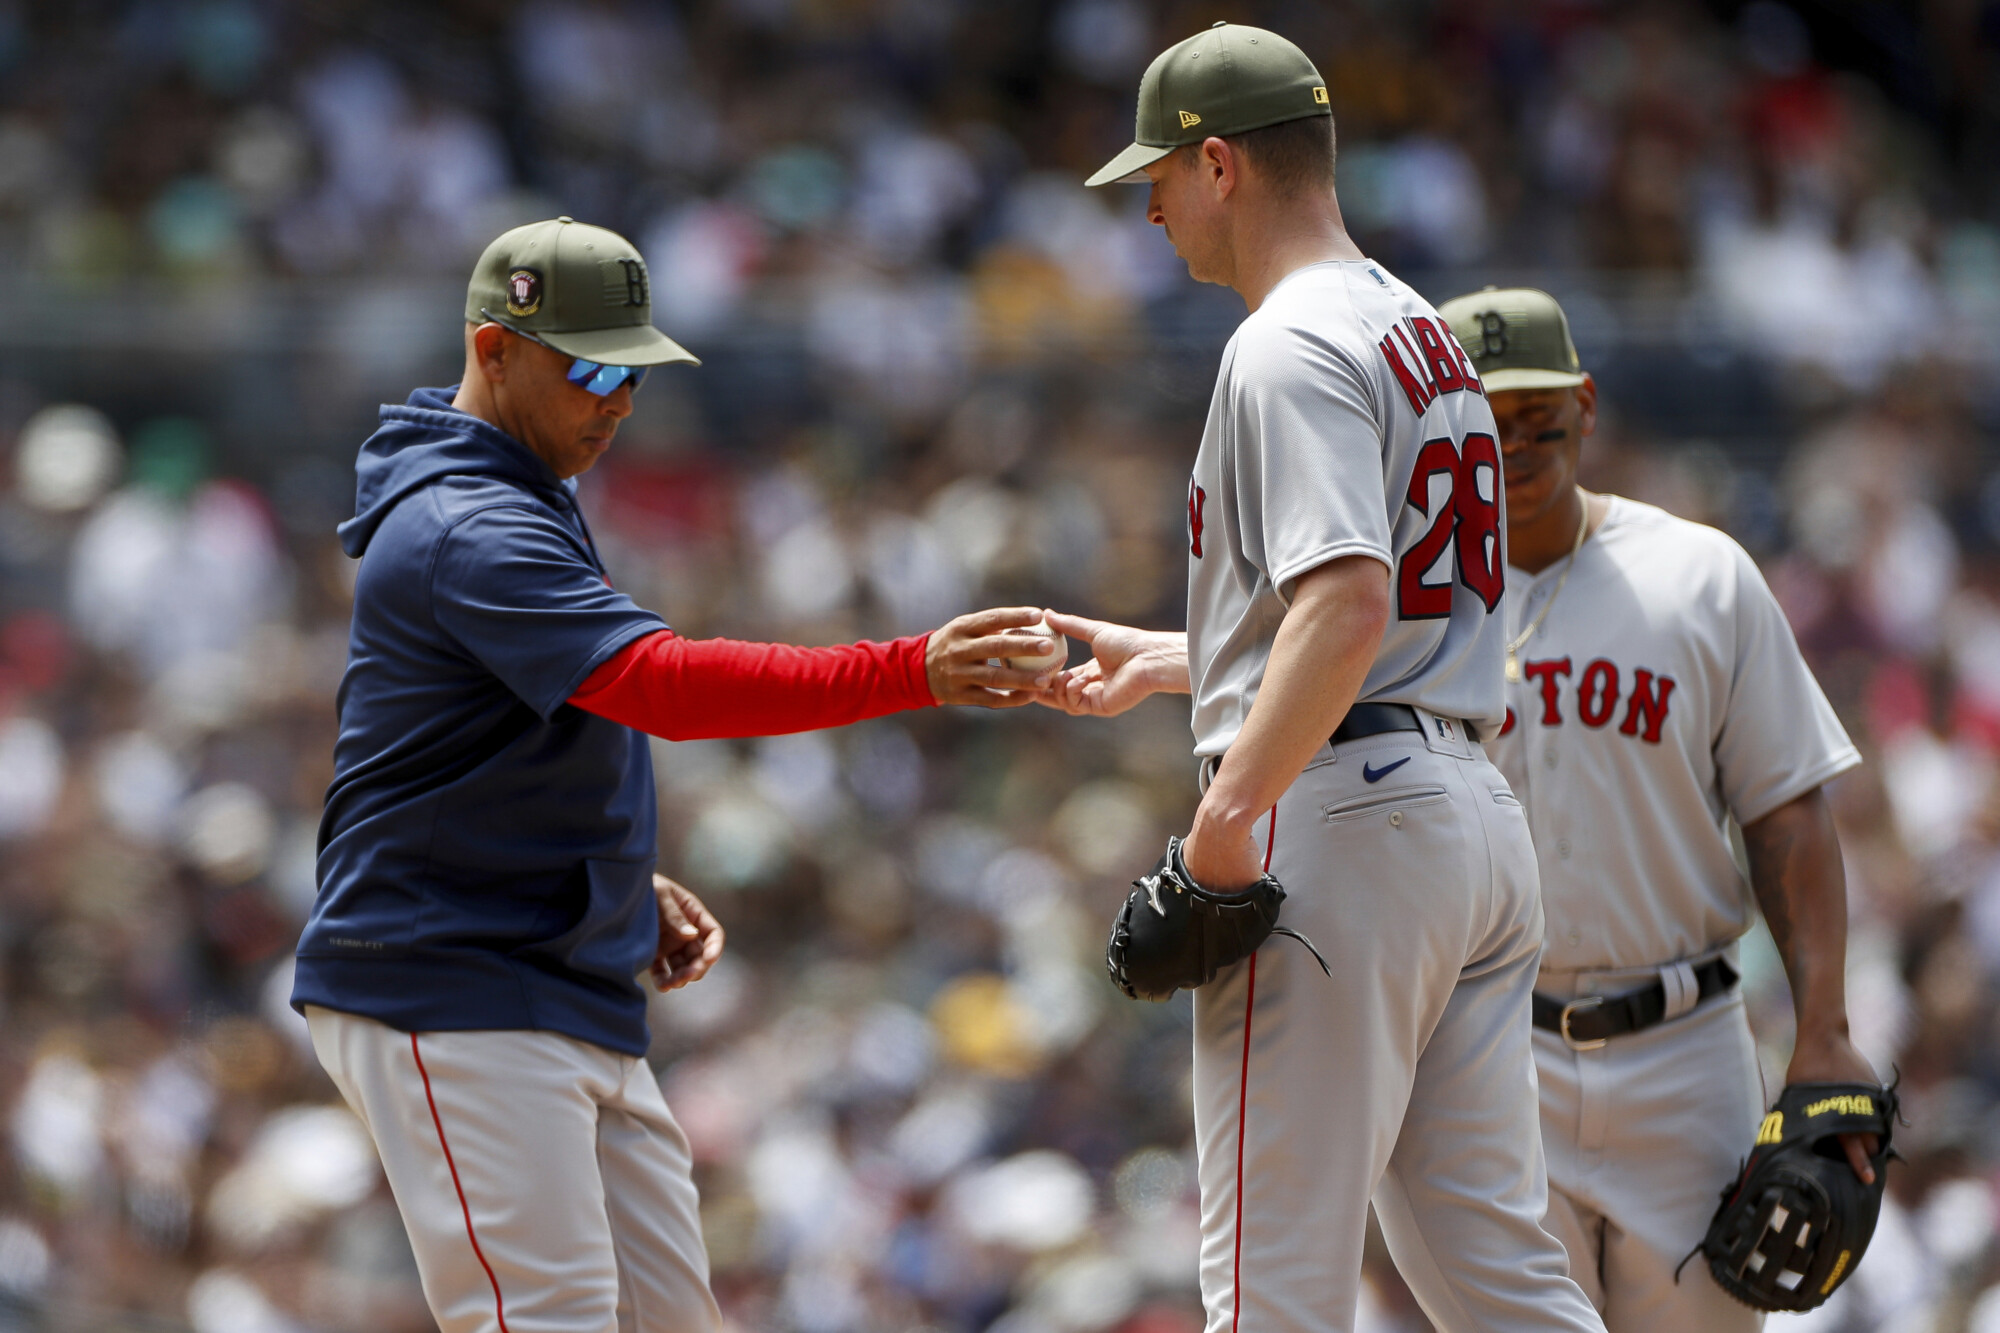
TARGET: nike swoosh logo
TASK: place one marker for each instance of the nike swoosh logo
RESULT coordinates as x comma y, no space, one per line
1372,774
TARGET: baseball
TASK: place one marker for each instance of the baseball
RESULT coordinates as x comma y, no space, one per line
1056,657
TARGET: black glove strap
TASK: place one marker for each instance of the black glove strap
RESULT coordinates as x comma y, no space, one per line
1811,1111
1599,1018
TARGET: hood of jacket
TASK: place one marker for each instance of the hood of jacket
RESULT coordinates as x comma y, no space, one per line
424,440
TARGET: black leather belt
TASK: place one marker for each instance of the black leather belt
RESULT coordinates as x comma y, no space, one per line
1592,1020
1374,719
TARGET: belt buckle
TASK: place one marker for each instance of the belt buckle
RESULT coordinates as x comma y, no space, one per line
1591,1002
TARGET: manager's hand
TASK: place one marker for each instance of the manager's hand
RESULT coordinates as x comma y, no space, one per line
961,658
690,937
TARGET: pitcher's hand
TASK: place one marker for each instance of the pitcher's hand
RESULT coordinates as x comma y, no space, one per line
1126,665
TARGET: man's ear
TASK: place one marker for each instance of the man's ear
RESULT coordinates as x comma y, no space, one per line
489,351
1221,165
1586,406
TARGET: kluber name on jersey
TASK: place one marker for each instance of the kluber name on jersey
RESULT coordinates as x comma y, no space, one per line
1347,421
1662,695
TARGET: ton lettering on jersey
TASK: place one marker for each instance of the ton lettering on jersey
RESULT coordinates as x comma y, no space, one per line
1596,694
1197,501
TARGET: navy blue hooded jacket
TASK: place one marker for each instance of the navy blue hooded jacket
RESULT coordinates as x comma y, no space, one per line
486,853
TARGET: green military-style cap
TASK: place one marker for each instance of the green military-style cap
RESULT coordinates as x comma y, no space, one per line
581,289
1518,338
1230,79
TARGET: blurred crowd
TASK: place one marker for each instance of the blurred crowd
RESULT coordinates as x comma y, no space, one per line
941,375
904,171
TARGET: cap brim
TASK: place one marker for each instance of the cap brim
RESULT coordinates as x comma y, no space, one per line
631,345
1130,165
1500,381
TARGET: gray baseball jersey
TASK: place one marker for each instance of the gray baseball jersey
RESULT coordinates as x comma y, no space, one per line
1662,695
1347,421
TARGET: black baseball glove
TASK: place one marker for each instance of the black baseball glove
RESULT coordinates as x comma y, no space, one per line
1173,934
1796,1221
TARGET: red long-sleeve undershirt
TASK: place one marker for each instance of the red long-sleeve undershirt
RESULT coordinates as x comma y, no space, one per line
700,689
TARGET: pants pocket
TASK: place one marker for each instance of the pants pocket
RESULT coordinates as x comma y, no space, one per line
1401,798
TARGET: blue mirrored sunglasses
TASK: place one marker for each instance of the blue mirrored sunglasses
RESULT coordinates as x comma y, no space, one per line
604,380
590,376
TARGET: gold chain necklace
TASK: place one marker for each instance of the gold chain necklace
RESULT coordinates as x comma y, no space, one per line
1513,663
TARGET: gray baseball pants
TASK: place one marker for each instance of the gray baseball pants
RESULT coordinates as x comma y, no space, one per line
543,1182
1407,1077
1642,1134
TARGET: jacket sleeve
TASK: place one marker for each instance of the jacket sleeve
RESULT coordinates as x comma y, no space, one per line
516,591
697,689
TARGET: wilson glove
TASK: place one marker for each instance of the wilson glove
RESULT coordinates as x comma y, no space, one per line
1796,1221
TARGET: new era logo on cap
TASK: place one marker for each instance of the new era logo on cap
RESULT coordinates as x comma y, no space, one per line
1189,120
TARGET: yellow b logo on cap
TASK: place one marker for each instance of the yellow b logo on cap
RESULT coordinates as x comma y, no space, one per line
1319,96
1189,120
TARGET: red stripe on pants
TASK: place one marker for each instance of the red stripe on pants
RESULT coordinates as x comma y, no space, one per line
1243,1103
499,1306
